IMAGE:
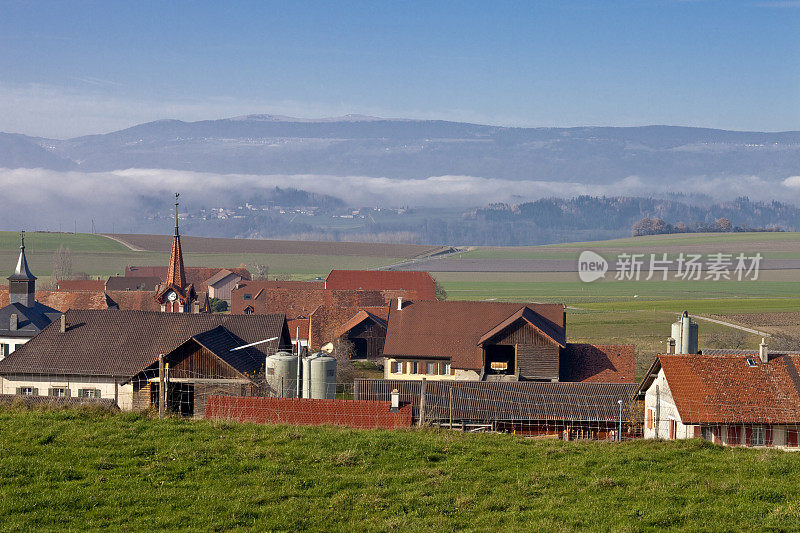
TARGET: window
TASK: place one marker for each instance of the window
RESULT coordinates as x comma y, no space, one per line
249,310
59,392
5,349
673,429
758,437
499,365
397,368
89,393
791,438
248,296
27,391
414,367
430,368
649,419
751,363
446,369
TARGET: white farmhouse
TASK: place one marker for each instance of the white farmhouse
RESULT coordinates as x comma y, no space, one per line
737,399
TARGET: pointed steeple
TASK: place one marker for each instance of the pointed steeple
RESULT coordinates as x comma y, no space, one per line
22,284
22,271
176,277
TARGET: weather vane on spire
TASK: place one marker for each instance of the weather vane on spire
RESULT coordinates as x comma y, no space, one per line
177,194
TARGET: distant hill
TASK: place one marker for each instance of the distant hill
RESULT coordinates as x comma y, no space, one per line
400,148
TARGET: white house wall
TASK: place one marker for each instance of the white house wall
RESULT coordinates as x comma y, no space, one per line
109,388
659,399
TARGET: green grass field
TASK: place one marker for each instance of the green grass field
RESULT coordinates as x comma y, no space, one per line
79,470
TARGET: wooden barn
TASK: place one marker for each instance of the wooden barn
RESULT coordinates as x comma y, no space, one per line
494,341
119,355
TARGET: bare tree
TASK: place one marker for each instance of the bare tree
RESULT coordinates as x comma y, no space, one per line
260,271
441,294
343,351
62,263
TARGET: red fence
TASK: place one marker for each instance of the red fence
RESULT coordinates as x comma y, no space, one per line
361,414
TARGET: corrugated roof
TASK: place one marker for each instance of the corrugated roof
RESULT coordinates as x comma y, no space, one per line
727,388
421,283
484,401
121,343
454,329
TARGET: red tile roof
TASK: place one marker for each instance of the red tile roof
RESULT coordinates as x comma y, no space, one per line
301,323
63,300
454,329
327,319
720,389
196,276
301,301
94,285
421,283
134,300
598,363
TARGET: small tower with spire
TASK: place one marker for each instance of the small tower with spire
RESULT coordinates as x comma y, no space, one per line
22,284
175,294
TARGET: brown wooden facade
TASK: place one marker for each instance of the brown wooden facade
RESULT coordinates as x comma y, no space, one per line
194,373
368,339
525,351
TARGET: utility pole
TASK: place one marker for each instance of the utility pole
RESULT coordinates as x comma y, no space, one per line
421,420
162,393
299,362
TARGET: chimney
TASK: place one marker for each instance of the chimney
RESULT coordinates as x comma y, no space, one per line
763,351
14,322
399,304
63,323
671,345
395,397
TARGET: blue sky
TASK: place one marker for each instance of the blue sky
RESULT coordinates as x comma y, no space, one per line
71,68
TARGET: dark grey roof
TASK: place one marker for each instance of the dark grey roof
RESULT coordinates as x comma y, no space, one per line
507,401
30,320
22,271
221,341
122,343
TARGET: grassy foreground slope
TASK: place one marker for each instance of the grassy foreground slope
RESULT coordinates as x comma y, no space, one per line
84,470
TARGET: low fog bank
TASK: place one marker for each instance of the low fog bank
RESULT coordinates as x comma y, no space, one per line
123,200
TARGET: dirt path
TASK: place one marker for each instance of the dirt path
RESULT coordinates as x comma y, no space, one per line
128,245
731,325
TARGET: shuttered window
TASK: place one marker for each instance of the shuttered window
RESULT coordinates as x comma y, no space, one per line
649,419
734,435
673,429
430,369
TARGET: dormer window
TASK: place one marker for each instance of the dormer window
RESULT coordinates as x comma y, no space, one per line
751,362
248,296
249,310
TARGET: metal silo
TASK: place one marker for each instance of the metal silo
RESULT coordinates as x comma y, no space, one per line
323,377
685,333
281,369
306,377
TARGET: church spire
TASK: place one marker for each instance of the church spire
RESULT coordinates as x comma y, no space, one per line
22,284
22,271
176,276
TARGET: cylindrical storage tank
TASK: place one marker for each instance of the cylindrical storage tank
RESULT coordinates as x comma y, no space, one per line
281,370
306,377
323,378
685,333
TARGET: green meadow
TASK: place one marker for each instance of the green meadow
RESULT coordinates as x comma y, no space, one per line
85,470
